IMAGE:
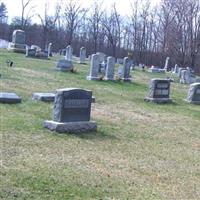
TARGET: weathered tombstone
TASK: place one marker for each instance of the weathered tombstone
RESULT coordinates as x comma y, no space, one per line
71,113
166,63
110,69
126,70
10,98
64,65
186,77
49,50
18,43
30,52
69,52
94,68
176,68
159,91
41,54
82,55
194,93
102,56
46,97
179,71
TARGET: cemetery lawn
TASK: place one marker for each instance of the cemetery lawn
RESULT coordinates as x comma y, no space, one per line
141,150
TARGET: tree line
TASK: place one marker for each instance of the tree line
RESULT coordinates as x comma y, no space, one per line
148,34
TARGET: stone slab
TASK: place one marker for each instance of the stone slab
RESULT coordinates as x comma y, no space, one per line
10,98
158,100
46,97
70,127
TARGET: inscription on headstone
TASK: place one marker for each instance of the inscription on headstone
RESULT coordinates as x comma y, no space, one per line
159,91
71,112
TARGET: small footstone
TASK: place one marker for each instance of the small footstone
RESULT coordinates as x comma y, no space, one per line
46,97
10,98
71,127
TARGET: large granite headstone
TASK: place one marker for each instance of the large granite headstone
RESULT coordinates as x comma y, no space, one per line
10,98
18,43
110,69
194,93
64,65
82,55
71,113
94,68
126,70
159,91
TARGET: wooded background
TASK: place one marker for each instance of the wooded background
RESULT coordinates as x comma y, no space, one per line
149,34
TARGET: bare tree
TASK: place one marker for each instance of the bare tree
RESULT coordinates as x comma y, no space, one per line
48,22
27,12
72,17
95,24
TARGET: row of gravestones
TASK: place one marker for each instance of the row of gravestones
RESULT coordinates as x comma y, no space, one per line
109,67
98,61
72,106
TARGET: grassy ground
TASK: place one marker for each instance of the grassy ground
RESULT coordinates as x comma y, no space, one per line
141,150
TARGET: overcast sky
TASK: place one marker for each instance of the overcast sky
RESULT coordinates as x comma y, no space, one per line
14,6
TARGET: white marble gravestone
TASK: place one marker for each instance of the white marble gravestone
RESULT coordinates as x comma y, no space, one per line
94,68
110,69
69,52
82,55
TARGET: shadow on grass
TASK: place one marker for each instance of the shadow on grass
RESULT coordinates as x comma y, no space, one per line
99,135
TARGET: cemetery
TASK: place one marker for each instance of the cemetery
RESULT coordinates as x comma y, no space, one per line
95,104
119,139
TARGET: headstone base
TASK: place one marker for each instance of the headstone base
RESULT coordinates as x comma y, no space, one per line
46,97
70,127
92,78
10,98
158,100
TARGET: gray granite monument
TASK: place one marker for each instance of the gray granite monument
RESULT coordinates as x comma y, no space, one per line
71,113
64,65
126,70
159,91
